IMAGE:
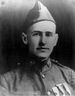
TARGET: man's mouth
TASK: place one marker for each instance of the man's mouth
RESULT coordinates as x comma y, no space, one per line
42,48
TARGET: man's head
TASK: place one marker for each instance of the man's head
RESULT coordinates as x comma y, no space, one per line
41,34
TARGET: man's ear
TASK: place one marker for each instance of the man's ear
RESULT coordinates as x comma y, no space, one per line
24,38
56,39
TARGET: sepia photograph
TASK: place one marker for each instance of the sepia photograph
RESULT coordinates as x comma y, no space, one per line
37,47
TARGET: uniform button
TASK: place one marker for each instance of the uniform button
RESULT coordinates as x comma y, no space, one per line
18,63
48,93
43,76
31,62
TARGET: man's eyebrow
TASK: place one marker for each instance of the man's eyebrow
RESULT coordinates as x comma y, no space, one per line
49,31
36,31
41,31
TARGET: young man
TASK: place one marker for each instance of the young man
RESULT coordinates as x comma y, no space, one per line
39,75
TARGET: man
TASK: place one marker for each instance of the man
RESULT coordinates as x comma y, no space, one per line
39,75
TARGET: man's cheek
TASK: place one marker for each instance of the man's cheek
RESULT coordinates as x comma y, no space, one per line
32,46
51,43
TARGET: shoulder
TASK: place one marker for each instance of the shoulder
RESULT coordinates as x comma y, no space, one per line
61,66
7,79
11,74
67,72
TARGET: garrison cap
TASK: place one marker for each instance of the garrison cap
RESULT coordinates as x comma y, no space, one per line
37,14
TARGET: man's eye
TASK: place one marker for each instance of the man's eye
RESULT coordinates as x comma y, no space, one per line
49,34
35,34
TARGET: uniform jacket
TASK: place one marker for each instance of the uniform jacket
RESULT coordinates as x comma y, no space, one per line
54,80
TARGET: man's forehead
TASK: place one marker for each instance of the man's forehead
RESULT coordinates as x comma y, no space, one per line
44,26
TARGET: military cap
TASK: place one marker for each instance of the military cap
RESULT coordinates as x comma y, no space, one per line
37,14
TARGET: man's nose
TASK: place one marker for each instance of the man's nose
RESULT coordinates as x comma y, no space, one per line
42,40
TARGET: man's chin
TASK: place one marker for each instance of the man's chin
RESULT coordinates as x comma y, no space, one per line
42,56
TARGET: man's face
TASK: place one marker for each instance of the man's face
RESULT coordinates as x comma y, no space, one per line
41,38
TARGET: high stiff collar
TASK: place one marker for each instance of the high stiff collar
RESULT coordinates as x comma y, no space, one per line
38,64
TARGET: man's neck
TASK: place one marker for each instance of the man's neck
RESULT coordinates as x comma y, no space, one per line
38,59
39,62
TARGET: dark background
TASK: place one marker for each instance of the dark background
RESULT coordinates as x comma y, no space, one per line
11,20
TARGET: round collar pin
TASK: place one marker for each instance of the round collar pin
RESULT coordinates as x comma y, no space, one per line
42,75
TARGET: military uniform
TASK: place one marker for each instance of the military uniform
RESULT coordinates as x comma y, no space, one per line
38,79
54,80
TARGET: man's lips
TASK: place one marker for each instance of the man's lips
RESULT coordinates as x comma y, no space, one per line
42,48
